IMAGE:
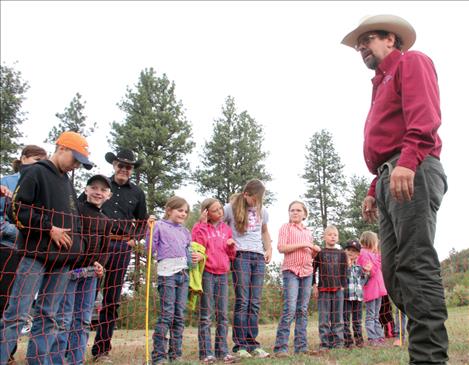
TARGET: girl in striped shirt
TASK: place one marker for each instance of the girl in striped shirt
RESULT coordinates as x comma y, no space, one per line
296,243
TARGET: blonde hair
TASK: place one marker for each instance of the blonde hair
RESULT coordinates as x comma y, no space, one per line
175,202
240,207
330,227
302,205
369,240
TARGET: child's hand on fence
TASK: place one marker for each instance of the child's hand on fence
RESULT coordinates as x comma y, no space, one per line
131,243
5,192
230,242
368,267
196,257
61,237
151,219
99,269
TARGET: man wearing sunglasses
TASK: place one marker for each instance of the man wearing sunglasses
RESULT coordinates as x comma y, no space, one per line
128,208
402,148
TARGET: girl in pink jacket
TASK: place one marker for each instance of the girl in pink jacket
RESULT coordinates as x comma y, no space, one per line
374,288
216,236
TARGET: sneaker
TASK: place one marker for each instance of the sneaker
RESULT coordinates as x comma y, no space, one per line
229,359
103,358
260,353
209,360
243,354
281,354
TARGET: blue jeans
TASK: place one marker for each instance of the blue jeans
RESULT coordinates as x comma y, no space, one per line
173,292
296,295
400,322
31,278
116,268
373,327
215,296
353,308
248,279
331,318
74,319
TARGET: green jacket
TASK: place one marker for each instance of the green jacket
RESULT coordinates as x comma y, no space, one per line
195,276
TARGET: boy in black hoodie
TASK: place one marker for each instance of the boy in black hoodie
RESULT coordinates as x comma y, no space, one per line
74,316
44,208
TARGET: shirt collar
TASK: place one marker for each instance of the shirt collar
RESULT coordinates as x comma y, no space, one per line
388,62
114,182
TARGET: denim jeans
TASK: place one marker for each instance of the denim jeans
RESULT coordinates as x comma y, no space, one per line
31,278
353,308
400,322
116,268
331,318
373,326
248,279
74,319
296,295
173,292
411,268
215,296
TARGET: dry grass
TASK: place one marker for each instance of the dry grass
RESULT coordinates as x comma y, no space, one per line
129,347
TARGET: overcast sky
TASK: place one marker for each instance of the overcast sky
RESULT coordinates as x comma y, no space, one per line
281,61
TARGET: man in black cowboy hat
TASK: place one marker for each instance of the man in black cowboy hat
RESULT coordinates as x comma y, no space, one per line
128,207
402,148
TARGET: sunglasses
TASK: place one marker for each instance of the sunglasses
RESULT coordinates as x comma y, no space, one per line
124,166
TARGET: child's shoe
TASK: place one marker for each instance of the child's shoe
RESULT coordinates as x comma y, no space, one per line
243,354
260,353
229,359
281,354
209,360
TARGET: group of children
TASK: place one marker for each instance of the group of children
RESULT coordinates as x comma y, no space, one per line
236,236
231,238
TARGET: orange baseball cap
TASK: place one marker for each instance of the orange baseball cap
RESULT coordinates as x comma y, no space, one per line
77,143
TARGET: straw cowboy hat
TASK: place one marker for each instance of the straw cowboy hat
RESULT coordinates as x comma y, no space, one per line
389,23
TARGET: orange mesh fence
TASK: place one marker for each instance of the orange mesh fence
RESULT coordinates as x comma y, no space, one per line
56,309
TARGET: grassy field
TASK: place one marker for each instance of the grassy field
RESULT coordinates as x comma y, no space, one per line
129,347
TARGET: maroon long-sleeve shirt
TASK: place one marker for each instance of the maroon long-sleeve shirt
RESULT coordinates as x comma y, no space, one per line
404,116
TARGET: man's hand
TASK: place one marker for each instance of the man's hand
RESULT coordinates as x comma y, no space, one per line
61,237
99,269
402,184
369,209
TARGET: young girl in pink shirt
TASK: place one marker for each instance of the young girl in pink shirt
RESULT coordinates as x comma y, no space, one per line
296,243
374,288
216,236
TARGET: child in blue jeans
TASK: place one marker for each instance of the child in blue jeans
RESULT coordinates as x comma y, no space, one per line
171,242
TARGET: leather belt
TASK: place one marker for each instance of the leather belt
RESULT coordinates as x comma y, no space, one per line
389,165
117,237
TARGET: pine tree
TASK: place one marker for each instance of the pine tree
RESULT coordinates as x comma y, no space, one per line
73,119
325,182
157,130
12,91
232,156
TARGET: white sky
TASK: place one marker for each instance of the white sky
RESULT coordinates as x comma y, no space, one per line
282,61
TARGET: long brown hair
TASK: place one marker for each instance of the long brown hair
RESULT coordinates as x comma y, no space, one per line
28,151
240,207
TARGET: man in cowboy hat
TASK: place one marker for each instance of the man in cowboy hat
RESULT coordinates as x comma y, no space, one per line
402,148
128,208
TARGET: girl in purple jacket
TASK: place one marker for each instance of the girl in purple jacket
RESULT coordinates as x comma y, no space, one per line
216,236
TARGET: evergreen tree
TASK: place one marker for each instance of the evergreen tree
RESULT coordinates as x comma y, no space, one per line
233,155
73,119
359,187
12,91
325,182
157,130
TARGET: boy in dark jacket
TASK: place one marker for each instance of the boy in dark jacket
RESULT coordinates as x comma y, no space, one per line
74,316
331,264
44,208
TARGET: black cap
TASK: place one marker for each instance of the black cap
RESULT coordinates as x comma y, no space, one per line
101,178
353,244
